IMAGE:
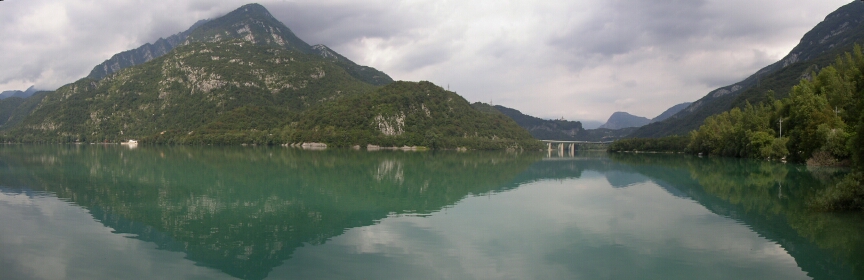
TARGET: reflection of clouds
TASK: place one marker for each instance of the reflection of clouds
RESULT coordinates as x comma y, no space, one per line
52,239
620,179
555,229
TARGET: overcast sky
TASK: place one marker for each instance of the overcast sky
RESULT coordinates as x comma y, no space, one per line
579,59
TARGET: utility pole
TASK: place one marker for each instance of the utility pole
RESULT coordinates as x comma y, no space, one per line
781,127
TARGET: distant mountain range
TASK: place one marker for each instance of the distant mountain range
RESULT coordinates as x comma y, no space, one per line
838,33
620,120
17,93
544,129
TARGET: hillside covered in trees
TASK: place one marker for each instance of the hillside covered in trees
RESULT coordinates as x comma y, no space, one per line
818,48
396,115
822,125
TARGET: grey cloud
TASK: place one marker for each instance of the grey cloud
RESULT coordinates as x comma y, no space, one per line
677,26
617,27
424,58
338,24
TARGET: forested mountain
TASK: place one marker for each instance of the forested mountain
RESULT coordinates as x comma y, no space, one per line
409,114
817,49
540,128
399,114
186,89
14,110
620,120
556,129
245,78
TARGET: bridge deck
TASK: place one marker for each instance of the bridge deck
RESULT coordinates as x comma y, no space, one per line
574,142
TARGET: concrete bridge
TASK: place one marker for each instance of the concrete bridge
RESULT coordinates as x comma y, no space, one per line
569,146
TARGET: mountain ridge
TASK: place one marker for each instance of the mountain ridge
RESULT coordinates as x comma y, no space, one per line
670,112
142,54
17,93
837,33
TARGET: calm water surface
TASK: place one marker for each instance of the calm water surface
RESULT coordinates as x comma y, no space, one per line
108,212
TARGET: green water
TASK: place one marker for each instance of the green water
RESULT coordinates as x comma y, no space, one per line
109,212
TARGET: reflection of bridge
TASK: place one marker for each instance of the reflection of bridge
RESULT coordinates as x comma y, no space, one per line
569,146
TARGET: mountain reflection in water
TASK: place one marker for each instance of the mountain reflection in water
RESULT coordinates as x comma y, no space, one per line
247,211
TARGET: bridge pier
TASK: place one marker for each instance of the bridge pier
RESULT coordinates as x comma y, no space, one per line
570,145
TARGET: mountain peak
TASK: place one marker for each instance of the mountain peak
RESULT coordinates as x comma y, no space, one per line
620,120
251,10
254,8
252,23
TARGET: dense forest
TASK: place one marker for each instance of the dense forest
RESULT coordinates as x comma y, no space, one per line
820,124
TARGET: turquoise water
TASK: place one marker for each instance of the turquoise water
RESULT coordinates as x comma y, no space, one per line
109,212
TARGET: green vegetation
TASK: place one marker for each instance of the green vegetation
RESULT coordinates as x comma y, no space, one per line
658,145
408,114
818,120
186,90
739,133
539,128
400,114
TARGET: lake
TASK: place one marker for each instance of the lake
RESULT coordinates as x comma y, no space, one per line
110,212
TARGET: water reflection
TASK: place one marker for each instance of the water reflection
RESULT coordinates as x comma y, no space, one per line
772,199
253,213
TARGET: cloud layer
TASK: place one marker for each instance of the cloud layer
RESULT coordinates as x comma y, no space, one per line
582,60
